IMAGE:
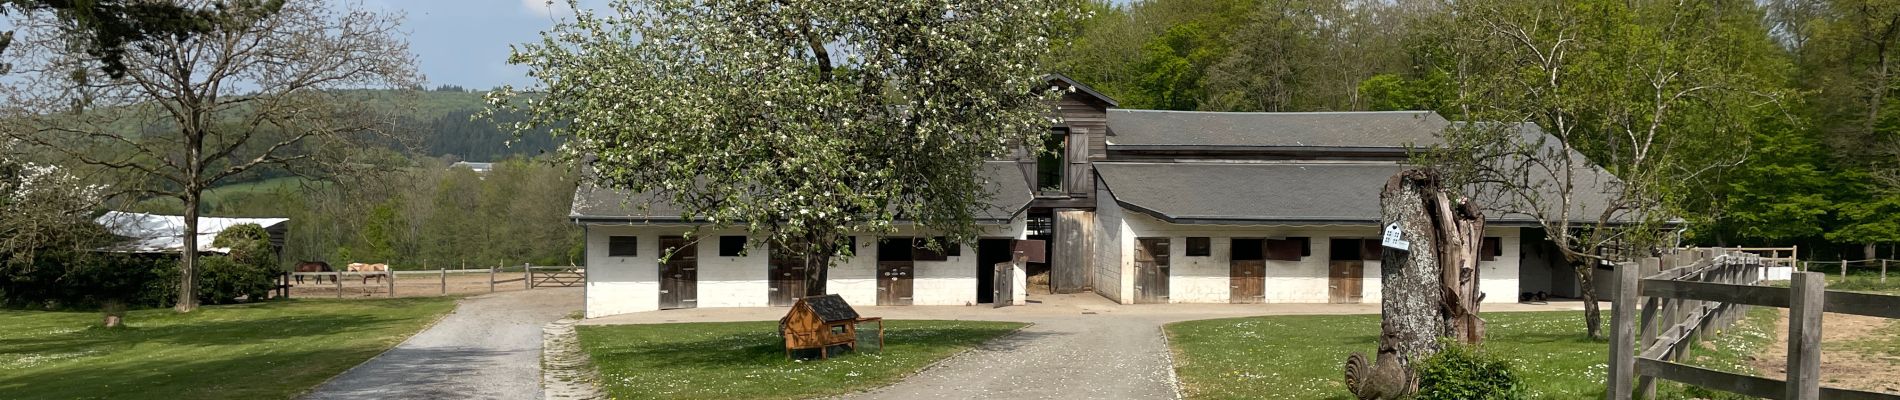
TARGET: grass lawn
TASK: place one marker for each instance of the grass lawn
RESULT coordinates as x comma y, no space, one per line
1302,357
747,359
272,350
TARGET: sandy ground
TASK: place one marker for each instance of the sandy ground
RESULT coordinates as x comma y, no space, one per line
407,285
489,348
1839,368
1081,346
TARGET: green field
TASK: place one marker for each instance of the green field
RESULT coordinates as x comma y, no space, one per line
1302,357
273,350
746,359
244,199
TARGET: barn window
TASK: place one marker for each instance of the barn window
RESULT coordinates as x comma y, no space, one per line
1199,246
921,248
731,246
1289,249
1049,160
1491,248
1249,249
623,246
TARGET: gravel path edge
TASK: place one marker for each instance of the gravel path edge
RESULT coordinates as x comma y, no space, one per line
393,347
566,370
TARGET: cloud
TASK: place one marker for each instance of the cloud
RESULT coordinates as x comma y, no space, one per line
545,8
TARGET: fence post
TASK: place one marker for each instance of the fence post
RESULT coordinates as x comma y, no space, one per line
527,277
491,279
391,274
339,284
1806,292
1883,270
445,279
1622,340
1843,269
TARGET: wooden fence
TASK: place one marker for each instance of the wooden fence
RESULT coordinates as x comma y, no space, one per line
544,276
531,277
1681,304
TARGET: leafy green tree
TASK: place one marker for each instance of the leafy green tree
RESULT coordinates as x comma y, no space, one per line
801,121
258,88
1657,103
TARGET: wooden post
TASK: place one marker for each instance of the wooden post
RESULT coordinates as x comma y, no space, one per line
391,274
1806,293
491,279
1843,269
339,284
527,277
1622,339
445,279
1883,270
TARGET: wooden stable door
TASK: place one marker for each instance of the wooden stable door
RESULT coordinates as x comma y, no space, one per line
679,274
787,274
1247,282
1151,270
894,282
1347,280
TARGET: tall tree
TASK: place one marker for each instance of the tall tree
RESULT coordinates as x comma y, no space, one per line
802,121
1655,93
263,86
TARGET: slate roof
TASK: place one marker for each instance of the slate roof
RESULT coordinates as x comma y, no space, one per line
1290,193
831,308
1273,129
1006,183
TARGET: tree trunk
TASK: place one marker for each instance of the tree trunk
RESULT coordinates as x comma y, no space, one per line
1870,252
188,265
1592,313
1430,291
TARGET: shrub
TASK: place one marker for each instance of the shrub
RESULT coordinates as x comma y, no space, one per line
1465,372
245,273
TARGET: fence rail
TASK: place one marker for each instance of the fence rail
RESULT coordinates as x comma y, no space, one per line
1681,304
531,277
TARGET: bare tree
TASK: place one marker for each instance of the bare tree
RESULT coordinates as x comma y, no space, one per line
1649,92
268,85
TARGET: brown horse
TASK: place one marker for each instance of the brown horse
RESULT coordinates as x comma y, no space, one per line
314,266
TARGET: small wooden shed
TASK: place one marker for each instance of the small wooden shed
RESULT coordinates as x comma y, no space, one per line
819,322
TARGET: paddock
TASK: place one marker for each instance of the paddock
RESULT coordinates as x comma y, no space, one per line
423,283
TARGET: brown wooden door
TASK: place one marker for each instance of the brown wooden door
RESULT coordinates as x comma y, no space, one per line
1247,282
1347,280
894,282
786,276
679,275
1151,270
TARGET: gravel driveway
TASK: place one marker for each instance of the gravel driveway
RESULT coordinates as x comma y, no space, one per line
489,348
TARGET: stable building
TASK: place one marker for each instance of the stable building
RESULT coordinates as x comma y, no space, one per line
1138,206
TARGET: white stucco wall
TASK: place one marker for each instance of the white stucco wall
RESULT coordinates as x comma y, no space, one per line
1206,279
1111,242
619,285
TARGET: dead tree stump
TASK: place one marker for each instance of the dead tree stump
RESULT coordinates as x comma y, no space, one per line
1430,291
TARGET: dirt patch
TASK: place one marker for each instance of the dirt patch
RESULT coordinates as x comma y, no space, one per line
1840,367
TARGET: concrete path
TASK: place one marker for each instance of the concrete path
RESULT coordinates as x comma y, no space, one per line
1080,346
489,348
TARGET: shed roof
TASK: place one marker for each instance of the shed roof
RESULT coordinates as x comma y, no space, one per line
1004,180
831,308
155,233
1273,129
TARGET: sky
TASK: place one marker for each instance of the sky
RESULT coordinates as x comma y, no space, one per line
465,42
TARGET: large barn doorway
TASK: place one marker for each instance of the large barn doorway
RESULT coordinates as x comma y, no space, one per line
1151,270
1346,278
679,275
1247,275
787,274
990,252
896,266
